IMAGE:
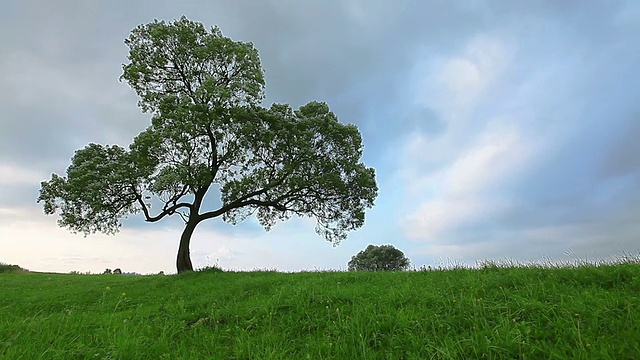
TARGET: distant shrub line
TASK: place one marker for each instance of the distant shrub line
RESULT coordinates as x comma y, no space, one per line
8,268
626,258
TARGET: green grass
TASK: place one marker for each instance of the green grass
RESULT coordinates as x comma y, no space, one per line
583,312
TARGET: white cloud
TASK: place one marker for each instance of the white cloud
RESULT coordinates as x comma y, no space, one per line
469,188
455,85
6,213
43,246
490,160
478,152
463,78
14,175
39,245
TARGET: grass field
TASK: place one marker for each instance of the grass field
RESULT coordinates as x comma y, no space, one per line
580,312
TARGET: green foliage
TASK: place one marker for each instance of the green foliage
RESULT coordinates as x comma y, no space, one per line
376,258
8,268
203,92
505,313
211,269
99,189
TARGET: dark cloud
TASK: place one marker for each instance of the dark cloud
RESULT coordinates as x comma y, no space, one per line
623,158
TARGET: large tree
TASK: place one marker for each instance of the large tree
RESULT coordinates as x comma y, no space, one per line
204,91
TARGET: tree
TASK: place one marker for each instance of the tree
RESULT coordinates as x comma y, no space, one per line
383,257
208,129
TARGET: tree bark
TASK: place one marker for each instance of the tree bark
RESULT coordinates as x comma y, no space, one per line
183,263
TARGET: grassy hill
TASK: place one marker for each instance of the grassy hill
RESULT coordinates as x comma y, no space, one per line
584,312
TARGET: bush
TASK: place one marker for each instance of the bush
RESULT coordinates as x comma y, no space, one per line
8,268
211,269
376,258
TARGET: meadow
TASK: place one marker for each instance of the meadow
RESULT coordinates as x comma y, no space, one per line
494,312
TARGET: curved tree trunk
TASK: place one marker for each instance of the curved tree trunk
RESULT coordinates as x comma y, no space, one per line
183,262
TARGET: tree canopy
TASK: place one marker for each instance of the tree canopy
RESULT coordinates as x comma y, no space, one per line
208,127
375,258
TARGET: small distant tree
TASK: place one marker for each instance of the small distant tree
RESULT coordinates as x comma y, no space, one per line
117,271
209,131
107,271
376,258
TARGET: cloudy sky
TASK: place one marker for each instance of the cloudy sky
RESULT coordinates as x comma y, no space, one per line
498,129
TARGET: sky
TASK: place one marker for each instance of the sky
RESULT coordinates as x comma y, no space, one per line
499,130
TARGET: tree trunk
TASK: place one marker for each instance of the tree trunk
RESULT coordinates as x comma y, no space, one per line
183,262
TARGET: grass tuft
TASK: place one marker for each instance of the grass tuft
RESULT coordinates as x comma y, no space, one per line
210,269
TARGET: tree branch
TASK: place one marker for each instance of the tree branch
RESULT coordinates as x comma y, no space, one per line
246,200
214,153
166,211
238,204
